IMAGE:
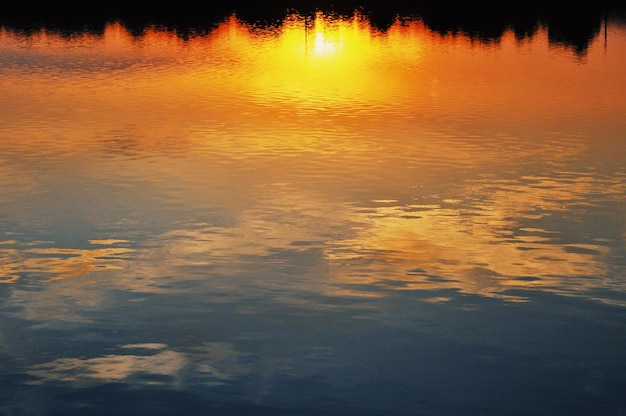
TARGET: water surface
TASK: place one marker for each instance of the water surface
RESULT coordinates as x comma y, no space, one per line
319,217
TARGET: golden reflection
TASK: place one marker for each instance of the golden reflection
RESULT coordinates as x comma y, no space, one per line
477,247
440,249
481,247
329,61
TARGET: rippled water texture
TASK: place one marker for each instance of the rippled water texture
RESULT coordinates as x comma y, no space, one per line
315,218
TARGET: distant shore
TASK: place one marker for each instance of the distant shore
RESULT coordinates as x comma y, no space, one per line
575,24
190,11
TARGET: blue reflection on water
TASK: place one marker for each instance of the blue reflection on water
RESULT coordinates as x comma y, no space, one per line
379,356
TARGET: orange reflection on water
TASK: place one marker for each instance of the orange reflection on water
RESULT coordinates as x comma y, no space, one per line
309,114
305,72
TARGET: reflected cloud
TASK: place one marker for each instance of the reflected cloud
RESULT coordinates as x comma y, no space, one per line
109,368
52,263
482,245
493,238
148,364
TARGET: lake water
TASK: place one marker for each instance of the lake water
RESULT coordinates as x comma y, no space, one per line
314,218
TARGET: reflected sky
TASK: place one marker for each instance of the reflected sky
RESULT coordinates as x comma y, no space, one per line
254,206
424,157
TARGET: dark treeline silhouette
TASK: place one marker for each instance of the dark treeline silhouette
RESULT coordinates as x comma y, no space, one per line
573,24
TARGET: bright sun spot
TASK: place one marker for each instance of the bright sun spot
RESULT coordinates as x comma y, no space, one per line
324,46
